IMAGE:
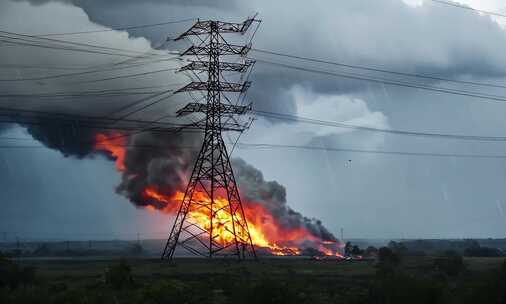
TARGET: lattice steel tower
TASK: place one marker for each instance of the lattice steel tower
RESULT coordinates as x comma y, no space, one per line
211,219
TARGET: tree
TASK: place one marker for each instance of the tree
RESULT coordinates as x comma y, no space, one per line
348,248
355,250
478,251
388,261
388,256
398,247
371,251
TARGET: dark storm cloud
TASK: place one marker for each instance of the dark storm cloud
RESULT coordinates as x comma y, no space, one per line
385,34
122,3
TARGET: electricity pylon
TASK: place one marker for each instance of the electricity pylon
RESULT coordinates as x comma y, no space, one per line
211,219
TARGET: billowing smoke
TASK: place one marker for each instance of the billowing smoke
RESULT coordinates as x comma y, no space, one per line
272,196
160,161
163,161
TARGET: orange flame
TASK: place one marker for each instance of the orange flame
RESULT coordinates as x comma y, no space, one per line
263,228
260,223
114,144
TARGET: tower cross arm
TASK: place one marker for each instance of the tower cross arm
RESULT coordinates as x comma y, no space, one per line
215,86
205,27
222,108
222,48
224,66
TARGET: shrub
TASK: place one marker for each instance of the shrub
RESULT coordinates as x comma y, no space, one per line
172,291
14,276
388,256
388,261
119,275
405,289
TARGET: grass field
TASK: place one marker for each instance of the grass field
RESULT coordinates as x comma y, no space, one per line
276,280
77,269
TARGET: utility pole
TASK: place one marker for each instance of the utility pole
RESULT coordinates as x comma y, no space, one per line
212,188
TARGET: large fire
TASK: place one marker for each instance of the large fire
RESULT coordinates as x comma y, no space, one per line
265,232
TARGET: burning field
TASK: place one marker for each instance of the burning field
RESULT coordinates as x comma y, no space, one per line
155,170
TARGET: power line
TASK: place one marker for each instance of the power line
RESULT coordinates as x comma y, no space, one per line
49,118
341,64
146,106
34,41
118,28
135,61
57,42
261,146
370,129
66,48
73,97
454,4
66,75
41,67
86,92
136,102
390,82
306,147
135,130
131,75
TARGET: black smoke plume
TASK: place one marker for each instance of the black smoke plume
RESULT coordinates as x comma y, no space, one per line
163,162
272,196
158,160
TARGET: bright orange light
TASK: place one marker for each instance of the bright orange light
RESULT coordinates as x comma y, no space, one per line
263,229
113,143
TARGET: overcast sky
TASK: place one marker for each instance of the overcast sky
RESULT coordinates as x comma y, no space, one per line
369,195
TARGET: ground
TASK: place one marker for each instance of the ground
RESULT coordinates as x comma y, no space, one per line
280,280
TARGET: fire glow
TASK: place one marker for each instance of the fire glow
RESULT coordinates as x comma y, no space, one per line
265,232
113,143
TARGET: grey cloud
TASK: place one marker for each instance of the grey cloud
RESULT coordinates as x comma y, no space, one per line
122,3
385,34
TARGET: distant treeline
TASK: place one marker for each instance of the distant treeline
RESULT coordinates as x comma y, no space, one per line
466,247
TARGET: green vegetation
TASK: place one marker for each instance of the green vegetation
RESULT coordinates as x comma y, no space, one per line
392,278
13,276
